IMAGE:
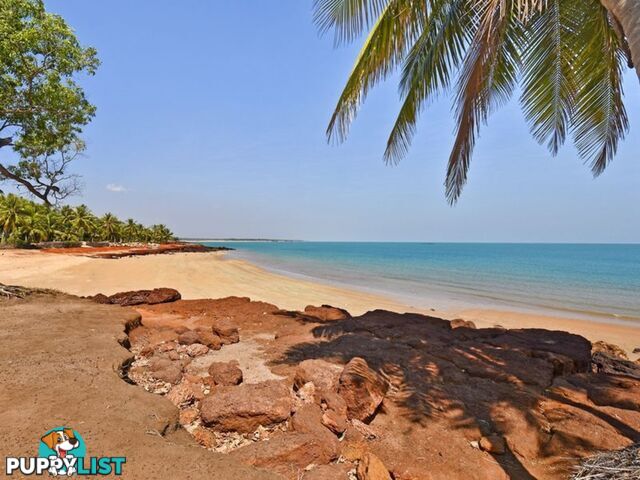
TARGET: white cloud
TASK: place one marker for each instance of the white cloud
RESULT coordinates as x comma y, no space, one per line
114,187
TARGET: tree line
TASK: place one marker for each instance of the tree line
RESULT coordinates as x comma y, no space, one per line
24,222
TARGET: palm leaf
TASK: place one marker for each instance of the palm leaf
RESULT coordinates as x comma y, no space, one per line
549,83
428,68
395,30
349,18
600,121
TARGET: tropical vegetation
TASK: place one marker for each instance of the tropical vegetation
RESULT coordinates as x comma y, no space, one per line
565,57
42,107
24,222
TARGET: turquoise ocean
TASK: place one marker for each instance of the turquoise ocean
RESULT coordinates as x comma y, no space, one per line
596,281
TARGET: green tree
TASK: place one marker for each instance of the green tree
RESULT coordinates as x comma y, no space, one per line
83,222
42,108
12,208
566,55
110,227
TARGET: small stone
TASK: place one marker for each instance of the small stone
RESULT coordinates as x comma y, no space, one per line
188,415
226,373
197,350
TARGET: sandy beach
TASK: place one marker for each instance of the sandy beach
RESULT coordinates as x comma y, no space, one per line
212,275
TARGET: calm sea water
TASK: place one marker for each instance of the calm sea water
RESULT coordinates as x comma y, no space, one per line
594,281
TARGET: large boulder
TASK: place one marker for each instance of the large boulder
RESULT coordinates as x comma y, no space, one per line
244,408
139,297
362,389
326,313
323,374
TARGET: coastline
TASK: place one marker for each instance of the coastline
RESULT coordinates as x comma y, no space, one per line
213,275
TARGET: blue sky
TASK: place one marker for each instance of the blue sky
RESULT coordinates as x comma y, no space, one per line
211,119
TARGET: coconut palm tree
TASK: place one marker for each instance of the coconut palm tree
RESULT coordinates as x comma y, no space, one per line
566,56
12,208
130,231
110,227
83,222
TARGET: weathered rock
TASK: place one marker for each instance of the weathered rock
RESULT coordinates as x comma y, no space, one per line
287,453
372,468
139,297
210,339
493,444
334,415
204,437
244,407
188,415
609,349
307,393
605,363
323,374
308,419
171,374
326,313
184,393
197,350
460,323
226,373
362,389
227,331
188,338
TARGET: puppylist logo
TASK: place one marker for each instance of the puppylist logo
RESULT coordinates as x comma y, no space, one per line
62,451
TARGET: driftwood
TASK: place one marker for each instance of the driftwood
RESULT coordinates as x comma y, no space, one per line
615,465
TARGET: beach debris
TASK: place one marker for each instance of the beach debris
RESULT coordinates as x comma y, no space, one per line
244,407
372,468
139,297
362,388
226,373
621,464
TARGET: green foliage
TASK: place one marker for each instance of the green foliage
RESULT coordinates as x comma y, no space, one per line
23,222
564,54
42,108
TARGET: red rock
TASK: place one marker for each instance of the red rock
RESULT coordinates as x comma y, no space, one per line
372,468
182,394
334,415
188,415
171,374
323,374
286,453
308,419
244,407
205,438
139,297
307,393
210,339
188,338
493,444
326,313
362,389
226,373
605,363
227,331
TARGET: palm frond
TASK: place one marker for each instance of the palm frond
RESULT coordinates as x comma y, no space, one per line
395,30
600,120
348,18
548,70
488,78
428,68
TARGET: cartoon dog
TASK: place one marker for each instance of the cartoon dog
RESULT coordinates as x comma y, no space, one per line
61,441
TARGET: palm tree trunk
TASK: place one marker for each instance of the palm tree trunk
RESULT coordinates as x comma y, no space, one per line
627,12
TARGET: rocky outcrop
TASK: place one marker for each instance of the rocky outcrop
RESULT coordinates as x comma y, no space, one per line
245,407
362,389
372,468
614,365
139,297
324,375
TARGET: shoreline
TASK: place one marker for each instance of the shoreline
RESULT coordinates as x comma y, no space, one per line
213,275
